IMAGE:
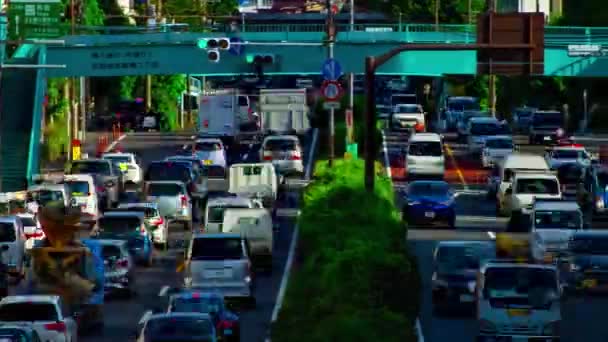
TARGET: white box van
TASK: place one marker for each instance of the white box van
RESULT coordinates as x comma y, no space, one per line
425,155
255,226
511,164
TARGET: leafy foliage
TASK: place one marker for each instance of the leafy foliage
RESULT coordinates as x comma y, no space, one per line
166,90
357,280
92,14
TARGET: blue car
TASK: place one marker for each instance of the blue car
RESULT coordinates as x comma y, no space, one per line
429,202
129,226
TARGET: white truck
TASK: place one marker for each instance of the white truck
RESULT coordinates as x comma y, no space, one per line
283,111
222,113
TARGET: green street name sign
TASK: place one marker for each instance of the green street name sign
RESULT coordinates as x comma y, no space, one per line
35,18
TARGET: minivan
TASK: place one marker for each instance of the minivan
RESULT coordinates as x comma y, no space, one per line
424,156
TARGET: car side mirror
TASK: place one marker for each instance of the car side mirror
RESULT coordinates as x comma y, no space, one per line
110,184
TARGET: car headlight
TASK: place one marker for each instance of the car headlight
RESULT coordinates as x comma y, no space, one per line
487,327
413,202
599,202
471,285
551,329
248,279
574,267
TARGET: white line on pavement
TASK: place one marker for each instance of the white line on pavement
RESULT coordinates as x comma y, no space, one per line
492,235
419,331
387,164
114,143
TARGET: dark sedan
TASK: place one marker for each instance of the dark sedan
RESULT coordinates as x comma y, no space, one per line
429,202
588,262
455,277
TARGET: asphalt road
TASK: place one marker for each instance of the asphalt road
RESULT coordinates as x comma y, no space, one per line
121,316
582,317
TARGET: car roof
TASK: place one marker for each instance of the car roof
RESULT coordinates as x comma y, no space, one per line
217,236
208,140
282,137
556,205
236,200
499,137
535,175
523,160
79,177
53,299
122,214
423,137
166,315
151,205
118,154
484,119
8,218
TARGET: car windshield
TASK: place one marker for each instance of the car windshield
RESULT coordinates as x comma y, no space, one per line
602,179
179,327
28,312
44,197
570,174
170,171
119,225
280,145
164,189
111,252
568,154
557,219
78,188
488,129
425,148
428,189
118,159
98,167
28,221
207,146
216,213
216,249
461,105
201,304
7,232
407,109
537,186
548,119
500,143
214,171
509,287
589,245
455,258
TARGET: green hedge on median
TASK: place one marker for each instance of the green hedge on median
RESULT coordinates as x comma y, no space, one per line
355,280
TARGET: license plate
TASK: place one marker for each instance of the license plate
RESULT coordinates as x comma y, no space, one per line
207,162
217,274
466,298
227,331
549,257
547,138
429,214
590,283
518,312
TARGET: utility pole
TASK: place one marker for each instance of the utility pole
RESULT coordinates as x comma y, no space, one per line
437,5
352,15
3,36
72,112
151,13
491,77
331,33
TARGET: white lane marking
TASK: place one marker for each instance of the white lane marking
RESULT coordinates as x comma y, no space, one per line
492,235
419,331
387,164
114,143
294,239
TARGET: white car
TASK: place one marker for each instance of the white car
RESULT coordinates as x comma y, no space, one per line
495,149
528,187
84,193
211,151
12,239
553,224
568,154
129,164
45,313
284,152
425,155
31,229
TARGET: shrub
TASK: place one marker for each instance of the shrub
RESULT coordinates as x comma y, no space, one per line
357,280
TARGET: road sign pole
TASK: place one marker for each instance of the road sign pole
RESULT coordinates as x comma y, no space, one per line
330,52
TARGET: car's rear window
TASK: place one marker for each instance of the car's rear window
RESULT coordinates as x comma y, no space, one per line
28,312
207,146
111,252
425,148
280,145
28,221
176,171
78,188
216,249
118,159
216,213
7,232
164,189
91,167
119,225
179,326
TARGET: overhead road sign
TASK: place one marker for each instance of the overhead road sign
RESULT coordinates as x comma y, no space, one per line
592,50
331,90
331,69
35,18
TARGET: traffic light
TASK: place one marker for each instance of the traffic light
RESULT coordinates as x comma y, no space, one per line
261,58
213,55
214,43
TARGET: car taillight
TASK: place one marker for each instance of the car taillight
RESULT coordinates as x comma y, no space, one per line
184,201
295,156
57,326
226,324
206,123
267,155
124,263
100,188
142,230
419,127
158,221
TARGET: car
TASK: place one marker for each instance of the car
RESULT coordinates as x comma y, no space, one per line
155,223
588,262
546,127
552,225
12,239
567,154
571,176
178,171
495,149
528,186
429,202
129,164
19,333
214,211
119,267
31,228
226,322
424,156
285,152
46,314
211,151
220,262
128,226
109,173
522,118
480,129
176,326
83,190
455,277
407,117
173,200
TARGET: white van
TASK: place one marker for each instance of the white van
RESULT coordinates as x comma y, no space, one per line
13,237
425,155
82,189
511,164
257,180
255,225
216,207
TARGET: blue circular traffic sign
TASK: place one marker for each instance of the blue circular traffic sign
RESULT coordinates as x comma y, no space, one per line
236,46
331,69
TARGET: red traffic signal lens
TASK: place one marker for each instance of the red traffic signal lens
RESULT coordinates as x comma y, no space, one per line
268,59
213,56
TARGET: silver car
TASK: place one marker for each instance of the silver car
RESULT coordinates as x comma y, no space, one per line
284,152
109,173
119,267
220,262
174,202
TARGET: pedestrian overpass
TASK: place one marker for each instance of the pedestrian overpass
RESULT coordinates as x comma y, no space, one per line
297,50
